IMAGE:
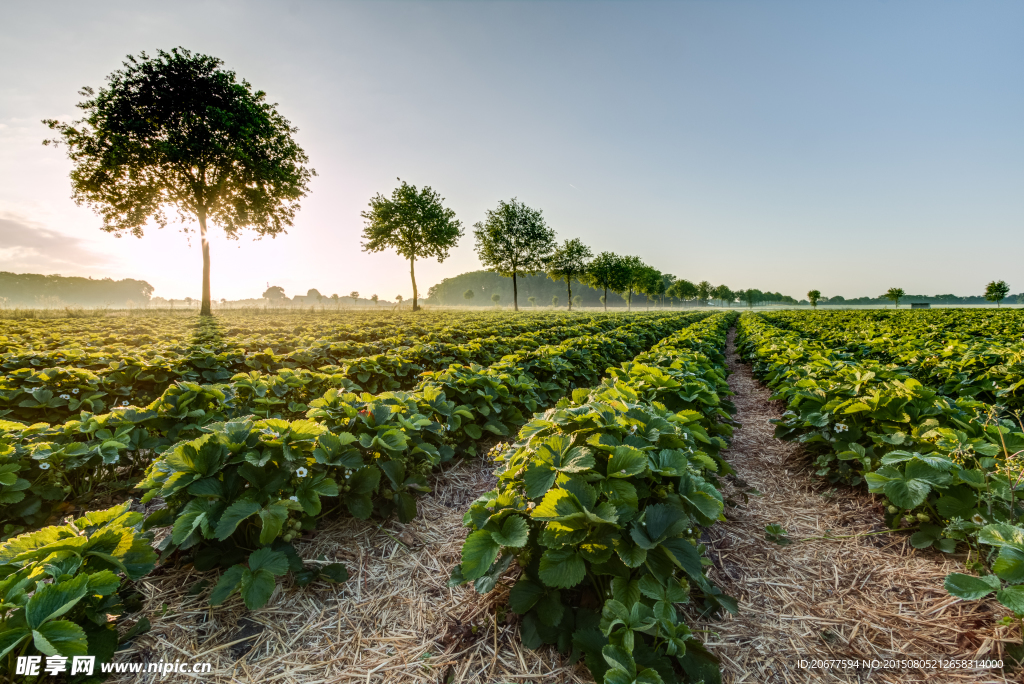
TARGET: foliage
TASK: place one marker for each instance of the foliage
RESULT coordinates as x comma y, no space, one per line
996,291
606,272
894,295
568,262
414,223
514,239
601,502
813,296
217,151
61,586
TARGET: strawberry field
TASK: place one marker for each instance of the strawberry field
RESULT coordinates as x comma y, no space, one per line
218,451
223,443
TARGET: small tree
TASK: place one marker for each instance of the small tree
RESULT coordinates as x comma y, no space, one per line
495,298
374,299
723,294
335,298
468,295
649,283
514,239
632,275
178,131
813,296
274,292
568,261
577,301
683,289
398,298
414,223
996,291
895,294
533,301
705,290
606,272
554,300
355,297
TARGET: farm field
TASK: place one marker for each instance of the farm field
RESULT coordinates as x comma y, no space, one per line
309,496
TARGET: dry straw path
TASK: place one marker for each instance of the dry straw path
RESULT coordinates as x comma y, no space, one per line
396,620
870,597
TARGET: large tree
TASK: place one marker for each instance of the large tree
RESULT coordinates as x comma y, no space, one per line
568,261
179,131
414,223
514,239
605,272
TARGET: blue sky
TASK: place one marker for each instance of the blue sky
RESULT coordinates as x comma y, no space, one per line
844,146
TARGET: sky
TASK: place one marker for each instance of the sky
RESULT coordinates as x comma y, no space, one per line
847,147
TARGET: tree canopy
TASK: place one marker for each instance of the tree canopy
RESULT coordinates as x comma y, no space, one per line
996,291
568,261
813,296
179,131
514,239
414,223
606,272
895,294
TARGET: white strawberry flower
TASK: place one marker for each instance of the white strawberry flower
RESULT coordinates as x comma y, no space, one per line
301,472
44,466
293,498
74,391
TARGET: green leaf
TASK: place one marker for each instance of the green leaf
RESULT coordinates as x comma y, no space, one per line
969,587
53,600
60,637
524,595
562,568
538,478
908,494
478,553
1012,598
514,532
103,583
227,585
257,587
472,431
626,461
12,638
267,559
273,517
235,514
335,572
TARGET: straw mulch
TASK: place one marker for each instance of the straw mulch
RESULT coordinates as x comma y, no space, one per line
872,597
394,620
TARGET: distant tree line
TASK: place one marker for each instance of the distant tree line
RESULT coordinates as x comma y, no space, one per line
34,290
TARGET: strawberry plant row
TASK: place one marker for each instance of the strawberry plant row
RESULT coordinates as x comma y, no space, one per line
93,382
947,466
965,359
601,503
49,467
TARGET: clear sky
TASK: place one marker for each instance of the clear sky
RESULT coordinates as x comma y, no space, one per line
844,146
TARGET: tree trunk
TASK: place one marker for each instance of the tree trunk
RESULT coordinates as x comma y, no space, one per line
606,300
205,310
568,283
515,292
629,300
412,272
